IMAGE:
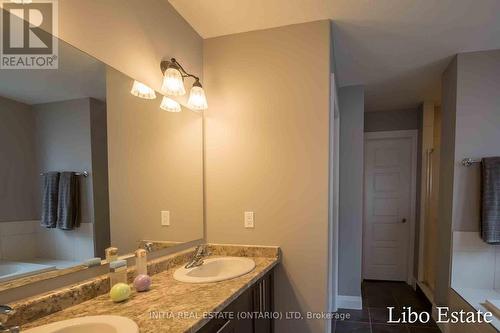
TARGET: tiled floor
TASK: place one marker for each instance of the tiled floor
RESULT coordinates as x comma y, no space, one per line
377,296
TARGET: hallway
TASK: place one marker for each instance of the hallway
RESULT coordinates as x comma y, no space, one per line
377,296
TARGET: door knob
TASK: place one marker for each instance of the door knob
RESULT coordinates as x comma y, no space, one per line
403,220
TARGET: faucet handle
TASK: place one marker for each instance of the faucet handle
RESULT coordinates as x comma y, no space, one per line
148,246
199,250
203,250
5,312
5,309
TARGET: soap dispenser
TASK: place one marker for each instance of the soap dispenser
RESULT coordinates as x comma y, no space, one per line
142,281
141,262
111,254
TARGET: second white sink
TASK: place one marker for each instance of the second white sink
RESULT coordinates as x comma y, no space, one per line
90,324
215,269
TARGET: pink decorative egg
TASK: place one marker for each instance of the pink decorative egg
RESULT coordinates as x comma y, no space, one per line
142,282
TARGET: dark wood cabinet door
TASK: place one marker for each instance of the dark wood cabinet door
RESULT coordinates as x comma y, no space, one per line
263,304
243,304
258,299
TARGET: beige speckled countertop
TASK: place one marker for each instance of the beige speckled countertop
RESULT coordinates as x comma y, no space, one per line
180,305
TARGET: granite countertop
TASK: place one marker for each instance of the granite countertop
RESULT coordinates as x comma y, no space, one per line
170,305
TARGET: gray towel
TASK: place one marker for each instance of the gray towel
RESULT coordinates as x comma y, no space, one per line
50,187
68,203
490,200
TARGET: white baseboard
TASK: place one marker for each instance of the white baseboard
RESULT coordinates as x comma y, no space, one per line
413,283
349,302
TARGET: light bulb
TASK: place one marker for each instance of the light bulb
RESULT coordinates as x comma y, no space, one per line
170,105
173,83
197,100
142,91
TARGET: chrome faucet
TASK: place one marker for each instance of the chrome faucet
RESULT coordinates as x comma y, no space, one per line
5,312
148,246
197,259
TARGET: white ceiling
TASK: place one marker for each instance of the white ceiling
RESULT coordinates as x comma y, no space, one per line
78,75
398,49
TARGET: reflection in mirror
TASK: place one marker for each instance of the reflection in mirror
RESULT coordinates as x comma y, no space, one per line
53,121
85,165
155,170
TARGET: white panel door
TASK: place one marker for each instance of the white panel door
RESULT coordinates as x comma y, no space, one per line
388,207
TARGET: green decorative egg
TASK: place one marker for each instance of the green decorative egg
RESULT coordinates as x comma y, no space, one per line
120,292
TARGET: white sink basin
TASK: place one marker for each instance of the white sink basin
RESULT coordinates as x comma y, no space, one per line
91,324
215,269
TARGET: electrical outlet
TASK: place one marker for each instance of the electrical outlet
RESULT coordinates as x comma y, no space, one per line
249,219
165,217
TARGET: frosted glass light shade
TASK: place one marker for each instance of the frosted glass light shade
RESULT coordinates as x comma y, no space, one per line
170,105
173,83
141,90
197,100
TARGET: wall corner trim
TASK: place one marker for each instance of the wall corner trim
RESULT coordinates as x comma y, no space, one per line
443,327
349,302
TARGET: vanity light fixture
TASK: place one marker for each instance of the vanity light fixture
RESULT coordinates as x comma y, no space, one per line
197,100
173,81
173,84
170,105
141,90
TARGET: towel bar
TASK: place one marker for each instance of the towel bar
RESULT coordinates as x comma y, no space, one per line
83,173
469,162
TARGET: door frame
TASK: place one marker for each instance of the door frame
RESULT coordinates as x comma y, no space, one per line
333,205
413,135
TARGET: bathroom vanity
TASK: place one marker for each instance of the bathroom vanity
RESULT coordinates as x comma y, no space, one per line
241,304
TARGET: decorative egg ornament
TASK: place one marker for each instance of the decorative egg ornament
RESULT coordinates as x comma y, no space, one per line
120,292
142,282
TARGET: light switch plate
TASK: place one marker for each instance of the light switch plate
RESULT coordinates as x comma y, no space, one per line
249,219
165,217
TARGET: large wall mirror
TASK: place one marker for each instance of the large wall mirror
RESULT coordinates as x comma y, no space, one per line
85,165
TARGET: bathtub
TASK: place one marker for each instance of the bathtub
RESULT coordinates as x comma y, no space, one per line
13,269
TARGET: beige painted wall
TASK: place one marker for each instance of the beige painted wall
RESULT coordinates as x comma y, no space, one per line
131,35
267,151
155,161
